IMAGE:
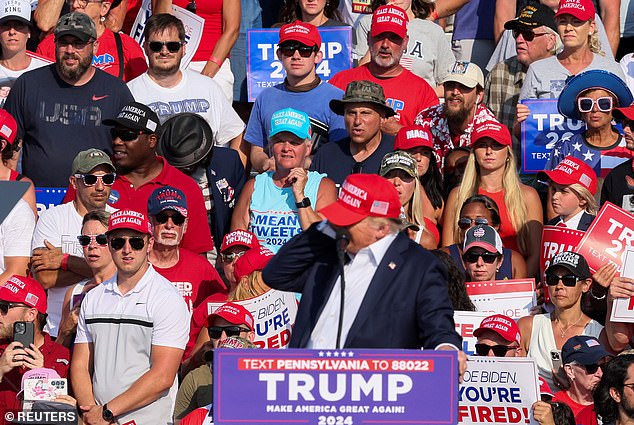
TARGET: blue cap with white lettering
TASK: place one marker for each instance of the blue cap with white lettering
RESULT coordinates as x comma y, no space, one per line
291,120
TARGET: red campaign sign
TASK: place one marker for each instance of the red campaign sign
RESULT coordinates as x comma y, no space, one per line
605,241
557,239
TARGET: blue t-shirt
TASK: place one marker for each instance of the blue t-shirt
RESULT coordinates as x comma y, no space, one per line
314,103
57,120
475,21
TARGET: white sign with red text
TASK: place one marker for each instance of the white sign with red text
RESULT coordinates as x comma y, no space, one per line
513,298
623,308
466,323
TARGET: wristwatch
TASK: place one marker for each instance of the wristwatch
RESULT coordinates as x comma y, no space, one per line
304,203
107,414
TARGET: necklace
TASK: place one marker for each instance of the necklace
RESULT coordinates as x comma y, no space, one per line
564,331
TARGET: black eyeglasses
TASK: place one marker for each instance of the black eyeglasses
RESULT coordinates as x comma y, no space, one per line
487,257
528,35
465,222
136,242
125,135
91,179
177,219
569,280
172,46
6,306
101,239
215,332
304,51
585,104
631,386
231,257
498,350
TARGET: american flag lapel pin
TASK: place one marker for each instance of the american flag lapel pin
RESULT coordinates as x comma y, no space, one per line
392,265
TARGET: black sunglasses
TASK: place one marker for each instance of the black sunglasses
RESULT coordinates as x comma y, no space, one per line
101,239
125,135
91,179
172,46
498,350
465,222
591,369
304,51
528,35
6,306
177,219
569,280
215,332
136,242
487,257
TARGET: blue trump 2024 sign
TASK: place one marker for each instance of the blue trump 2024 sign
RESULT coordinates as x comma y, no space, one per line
335,387
265,70
541,130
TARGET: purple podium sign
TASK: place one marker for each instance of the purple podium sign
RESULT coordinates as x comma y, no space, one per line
335,387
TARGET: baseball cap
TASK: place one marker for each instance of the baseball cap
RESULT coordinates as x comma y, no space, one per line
501,325
15,10
291,120
136,116
413,136
573,170
389,18
8,126
302,32
236,342
583,349
87,160
580,9
492,129
483,236
167,198
362,91
624,112
129,219
233,313
239,237
466,73
250,261
361,196
77,24
398,160
533,16
22,289
571,261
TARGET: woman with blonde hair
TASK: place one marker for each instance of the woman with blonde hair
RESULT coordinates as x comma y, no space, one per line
491,171
399,168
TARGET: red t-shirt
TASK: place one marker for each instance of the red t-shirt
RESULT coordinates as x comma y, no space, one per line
194,278
199,320
211,11
563,397
107,58
407,94
587,416
507,232
56,357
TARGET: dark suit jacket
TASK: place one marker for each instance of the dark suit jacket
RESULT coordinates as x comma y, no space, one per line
406,305
584,223
226,178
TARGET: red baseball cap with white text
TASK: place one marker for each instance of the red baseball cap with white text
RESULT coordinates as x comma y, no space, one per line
501,325
233,313
24,290
389,18
239,237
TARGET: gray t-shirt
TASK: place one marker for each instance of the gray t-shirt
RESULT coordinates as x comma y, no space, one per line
428,54
546,78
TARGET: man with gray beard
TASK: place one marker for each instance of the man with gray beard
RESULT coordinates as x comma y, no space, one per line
191,274
59,107
451,122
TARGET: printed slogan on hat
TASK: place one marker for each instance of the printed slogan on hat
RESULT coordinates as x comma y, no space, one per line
265,70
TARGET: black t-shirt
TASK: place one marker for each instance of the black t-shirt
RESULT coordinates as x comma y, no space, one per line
618,187
58,120
337,162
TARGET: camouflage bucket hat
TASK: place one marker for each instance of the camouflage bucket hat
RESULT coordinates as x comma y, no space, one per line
362,92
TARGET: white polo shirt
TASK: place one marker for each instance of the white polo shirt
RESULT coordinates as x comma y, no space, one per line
123,329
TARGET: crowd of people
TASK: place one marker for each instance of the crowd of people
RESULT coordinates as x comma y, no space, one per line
359,206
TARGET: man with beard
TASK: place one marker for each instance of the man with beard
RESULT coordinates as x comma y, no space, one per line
451,123
191,274
407,94
168,90
59,107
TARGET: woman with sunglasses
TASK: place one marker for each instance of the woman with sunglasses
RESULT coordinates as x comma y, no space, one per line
400,169
491,171
428,53
482,253
568,278
481,210
94,244
590,97
108,57
320,13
